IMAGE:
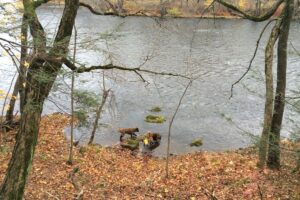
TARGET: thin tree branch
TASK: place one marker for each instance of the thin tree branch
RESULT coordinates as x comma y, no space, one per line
260,18
114,13
170,126
38,3
6,97
252,59
70,160
95,12
260,192
296,51
211,195
111,66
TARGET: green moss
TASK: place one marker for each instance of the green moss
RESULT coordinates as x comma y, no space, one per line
155,119
196,143
155,109
4,149
130,144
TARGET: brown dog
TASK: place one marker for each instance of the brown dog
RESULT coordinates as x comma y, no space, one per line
129,131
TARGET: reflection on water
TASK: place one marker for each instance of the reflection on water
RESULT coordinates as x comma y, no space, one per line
215,52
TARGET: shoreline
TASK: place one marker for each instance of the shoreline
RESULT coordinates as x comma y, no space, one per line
155,14
114,173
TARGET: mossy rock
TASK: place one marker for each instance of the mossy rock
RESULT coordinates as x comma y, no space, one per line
196,143
130,144
155,119
155,109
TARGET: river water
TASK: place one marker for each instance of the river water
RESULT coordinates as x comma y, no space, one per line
214,52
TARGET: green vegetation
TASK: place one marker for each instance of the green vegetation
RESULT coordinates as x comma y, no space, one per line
155,119
85,103
82,150
4,149
130,144
196,143
174,12
86,98
81,115
155,109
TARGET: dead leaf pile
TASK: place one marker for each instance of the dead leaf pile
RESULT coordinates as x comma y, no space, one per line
115,173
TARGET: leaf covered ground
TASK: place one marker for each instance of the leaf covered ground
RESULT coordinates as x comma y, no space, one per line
114,173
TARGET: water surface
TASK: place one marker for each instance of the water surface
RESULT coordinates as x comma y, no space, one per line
215,52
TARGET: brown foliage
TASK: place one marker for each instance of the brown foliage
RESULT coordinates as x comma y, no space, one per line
114,173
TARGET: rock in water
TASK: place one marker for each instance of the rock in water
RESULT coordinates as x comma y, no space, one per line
196,143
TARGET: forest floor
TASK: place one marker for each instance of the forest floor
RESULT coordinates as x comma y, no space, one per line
114,173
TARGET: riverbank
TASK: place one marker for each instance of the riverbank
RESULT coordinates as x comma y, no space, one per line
114,173
173,9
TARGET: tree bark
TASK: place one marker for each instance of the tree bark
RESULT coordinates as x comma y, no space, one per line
36,92
263,147
20,163
274,139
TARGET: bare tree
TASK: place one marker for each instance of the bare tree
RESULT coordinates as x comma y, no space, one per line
282,30
170,127
105,94
70,160
274,148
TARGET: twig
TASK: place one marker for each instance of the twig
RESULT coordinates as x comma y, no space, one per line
70,160
51,195
296,51
4,103
79,195
251,61
170,126
105,94
260,18
83,69
261,195
211,195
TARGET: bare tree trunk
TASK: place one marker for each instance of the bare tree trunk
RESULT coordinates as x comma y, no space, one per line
98,113
163,10
10,112
70,160
170,127
264,140
258,7
274,147
296,8
120,6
